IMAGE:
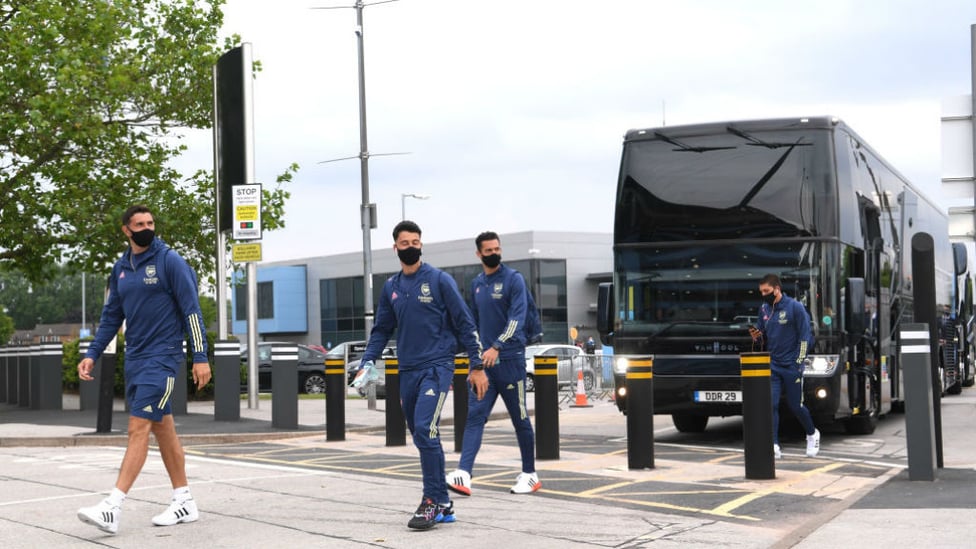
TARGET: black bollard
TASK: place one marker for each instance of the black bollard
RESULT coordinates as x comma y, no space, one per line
919,414
923,294
13,374
335,399
227,380
24,359
49,376
178,400
396,428
757,416
284,385
4,354
460,400
105,377
546,407
640,413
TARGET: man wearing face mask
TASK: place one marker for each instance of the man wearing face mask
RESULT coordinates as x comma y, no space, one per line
154,291
784,330
499,303
423,305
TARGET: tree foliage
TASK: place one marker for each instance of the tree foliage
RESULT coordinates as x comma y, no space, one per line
56,301
94,97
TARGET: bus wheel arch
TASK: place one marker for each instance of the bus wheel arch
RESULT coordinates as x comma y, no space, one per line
689,423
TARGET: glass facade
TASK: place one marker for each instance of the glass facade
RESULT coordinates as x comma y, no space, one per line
265,300
342,303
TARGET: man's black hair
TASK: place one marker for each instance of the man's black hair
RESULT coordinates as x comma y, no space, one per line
771,280
408,226
133,210
484,237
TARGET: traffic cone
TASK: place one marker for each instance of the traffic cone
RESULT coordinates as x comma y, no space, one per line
581,401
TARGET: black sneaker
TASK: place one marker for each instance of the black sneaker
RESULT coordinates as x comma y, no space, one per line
429,513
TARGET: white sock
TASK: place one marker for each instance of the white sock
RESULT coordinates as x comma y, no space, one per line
116,497
181,494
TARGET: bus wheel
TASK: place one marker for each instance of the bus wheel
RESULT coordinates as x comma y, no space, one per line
689,423
861,425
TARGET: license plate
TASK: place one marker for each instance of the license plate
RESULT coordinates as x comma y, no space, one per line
718,396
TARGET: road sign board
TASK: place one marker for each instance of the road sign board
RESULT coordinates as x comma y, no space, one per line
247,212
245,253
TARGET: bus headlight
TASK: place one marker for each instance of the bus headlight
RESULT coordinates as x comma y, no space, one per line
620,366
821,365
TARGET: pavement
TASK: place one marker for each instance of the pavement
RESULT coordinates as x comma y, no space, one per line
257,485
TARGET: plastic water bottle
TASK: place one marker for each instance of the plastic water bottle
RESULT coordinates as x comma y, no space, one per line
367,374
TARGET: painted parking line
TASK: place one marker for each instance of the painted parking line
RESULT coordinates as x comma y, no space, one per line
689,480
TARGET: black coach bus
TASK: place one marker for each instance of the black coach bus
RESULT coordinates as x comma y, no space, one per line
704,211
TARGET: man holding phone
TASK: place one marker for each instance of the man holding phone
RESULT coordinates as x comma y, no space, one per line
783,329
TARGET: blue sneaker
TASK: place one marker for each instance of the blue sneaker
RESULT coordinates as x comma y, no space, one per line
446,513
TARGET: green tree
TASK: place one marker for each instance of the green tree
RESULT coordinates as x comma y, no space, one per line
6,328
58,300
94,97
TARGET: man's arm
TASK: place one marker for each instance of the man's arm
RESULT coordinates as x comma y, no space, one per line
803,332
461,319
183,281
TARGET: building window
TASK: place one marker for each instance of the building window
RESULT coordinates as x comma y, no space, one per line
265,300
342,310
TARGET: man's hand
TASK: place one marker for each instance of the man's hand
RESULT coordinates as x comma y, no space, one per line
755,333
479,382
489,357
201,374
85,368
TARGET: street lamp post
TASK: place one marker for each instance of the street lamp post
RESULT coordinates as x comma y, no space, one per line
403,202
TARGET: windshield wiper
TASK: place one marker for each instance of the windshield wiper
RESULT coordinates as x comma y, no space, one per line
766,177
684,147
756,142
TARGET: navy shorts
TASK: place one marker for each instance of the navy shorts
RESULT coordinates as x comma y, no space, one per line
149,386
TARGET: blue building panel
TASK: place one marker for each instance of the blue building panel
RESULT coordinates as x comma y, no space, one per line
290,301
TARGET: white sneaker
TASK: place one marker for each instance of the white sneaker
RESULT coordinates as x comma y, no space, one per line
526,483
104,516
177,512
813,443
777,453
460,481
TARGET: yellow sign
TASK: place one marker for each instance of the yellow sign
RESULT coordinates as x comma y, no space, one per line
247,213
245,253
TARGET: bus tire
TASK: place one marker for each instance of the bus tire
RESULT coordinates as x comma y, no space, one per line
689,423
861,425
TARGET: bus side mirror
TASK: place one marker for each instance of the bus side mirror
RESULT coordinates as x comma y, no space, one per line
855,316
959,258
605,312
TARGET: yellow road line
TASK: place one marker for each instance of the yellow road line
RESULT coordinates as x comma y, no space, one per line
778,487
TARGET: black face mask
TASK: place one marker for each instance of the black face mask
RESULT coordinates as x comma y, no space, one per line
491,261
144,237
769,299
409,256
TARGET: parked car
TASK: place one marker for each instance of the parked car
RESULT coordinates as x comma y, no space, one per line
569,359
311,369
388,352
347,351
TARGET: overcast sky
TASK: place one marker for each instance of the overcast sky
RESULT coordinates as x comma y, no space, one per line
513,112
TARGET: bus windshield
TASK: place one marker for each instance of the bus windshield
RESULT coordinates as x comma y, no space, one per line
683,290
725,183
